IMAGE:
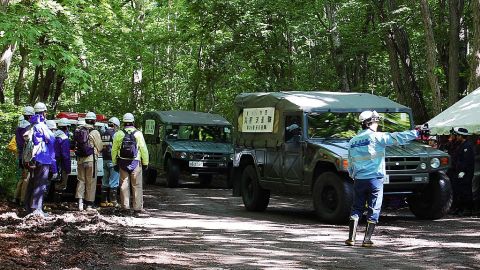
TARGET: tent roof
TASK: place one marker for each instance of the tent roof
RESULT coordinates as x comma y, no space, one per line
190,118
318,101
465,113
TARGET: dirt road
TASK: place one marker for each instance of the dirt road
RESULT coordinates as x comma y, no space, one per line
190,227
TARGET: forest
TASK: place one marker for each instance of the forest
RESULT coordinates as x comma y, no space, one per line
118,56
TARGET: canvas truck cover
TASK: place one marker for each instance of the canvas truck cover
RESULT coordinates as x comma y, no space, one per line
298,101
188,118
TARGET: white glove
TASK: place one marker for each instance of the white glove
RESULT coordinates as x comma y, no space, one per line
461,175
54,176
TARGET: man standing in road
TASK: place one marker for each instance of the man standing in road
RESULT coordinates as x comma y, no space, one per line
88,144
110,178
366,165
464,172
129,156
40,160
23,126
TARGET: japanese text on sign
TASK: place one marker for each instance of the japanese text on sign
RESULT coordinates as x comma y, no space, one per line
258,119
150,127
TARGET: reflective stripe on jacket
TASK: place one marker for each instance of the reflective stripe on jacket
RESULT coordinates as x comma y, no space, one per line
366,152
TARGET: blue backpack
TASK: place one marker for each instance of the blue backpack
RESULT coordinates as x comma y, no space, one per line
129,149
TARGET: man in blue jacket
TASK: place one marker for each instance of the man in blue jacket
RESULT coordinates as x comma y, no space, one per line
62,153
366,166
42,159
23,126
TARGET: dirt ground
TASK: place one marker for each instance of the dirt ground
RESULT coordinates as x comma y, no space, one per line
191,227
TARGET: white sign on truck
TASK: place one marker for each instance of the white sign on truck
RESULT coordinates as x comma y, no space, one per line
258,119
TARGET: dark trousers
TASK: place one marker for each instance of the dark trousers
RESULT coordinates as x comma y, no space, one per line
462,192
37,187
369,192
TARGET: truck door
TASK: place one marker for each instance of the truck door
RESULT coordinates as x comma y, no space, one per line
292,151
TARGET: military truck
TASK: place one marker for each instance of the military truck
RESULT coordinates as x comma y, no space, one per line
188,143
296,144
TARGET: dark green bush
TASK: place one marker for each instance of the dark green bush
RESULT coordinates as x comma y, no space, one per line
8,169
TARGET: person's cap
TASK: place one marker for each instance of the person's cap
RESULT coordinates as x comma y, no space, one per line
91,116
51,124
369,116
63,122
28,110
114,120
460,131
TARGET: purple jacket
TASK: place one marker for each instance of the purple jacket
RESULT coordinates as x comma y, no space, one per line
43,139
62,151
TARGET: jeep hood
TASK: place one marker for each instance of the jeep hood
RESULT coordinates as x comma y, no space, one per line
412,149
204,147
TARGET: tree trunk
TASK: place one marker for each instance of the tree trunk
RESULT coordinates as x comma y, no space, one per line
431,57
34,87
21,85
137,75
474,80
455,8
46,85
5,58
58,91
336,46
398,47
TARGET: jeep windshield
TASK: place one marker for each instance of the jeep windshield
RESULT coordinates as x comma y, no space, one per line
199,133
345,125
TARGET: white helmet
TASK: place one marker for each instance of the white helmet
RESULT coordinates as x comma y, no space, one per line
81,122
460,131
91,116
128,118
63,122
51,124
40,107
28,110
369,116
115,121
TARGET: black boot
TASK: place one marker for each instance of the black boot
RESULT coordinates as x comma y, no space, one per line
113,197
368,235
104,201
352,232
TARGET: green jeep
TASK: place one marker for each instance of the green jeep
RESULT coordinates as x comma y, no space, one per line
296,143
190,143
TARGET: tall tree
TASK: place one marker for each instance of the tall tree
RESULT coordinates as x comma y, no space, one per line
455,11
5,57
474,81
431,47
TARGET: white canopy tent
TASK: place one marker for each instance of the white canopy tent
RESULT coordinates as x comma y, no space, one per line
465,113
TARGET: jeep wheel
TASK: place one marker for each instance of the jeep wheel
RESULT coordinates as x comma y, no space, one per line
205,180
173,173
255,198
332,197
151,176
434,200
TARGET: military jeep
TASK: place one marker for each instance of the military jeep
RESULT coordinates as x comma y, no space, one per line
186,143
296,144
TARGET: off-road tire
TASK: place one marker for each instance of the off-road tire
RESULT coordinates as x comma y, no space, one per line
434,201
255,198
173,173
333,197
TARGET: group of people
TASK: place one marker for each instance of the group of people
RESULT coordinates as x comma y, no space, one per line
43,154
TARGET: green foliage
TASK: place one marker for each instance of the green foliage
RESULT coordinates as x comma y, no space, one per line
8,171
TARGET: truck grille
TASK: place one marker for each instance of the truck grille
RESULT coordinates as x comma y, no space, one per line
402,163
208,156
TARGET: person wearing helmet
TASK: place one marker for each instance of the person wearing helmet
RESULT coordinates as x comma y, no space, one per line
62,153
42,157
88,144
366,166
463,172
110,177
22,128
53,167
129,156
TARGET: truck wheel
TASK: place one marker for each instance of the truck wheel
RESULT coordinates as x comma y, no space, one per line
434,200
332,197
173,173
205,180
255,198
151,176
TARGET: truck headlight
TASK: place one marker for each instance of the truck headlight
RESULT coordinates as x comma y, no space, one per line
181,155
434,163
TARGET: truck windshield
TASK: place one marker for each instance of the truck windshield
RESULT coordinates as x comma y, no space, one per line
199,133
345,125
